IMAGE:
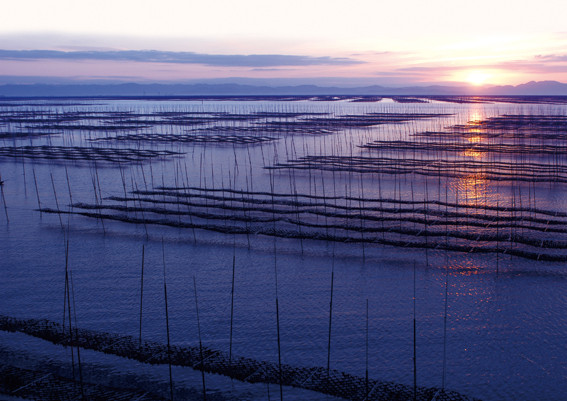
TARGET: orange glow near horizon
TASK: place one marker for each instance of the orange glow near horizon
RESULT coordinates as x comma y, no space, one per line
355,75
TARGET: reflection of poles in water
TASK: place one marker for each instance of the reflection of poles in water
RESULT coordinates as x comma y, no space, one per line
200,342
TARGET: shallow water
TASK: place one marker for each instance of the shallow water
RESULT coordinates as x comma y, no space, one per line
505,318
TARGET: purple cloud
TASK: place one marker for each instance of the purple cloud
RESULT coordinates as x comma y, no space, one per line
154,56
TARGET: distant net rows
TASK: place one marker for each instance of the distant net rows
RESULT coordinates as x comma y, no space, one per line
463,169
78,153
524,231
256,123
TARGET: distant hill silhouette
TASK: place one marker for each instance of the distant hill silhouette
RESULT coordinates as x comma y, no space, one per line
541,88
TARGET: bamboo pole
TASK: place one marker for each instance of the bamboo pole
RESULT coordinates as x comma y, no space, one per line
414,338
232,306
200,342
330,313
167,324
141,294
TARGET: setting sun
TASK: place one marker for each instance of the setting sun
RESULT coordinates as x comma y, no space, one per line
477,77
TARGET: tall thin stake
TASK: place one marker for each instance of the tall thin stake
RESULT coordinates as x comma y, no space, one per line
414,341
68,298
167,325
200,342
36,191
231,309
4,201
497,237
279,349
366,371
331,312
445,323
141,293
56,201
77,336
69,186
277,301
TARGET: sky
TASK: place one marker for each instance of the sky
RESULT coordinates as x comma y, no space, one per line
322,42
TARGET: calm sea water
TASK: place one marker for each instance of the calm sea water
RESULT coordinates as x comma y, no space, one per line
505,315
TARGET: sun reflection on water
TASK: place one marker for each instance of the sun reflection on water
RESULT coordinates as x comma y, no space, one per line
475,119
475,139
473,153
465,267
474,189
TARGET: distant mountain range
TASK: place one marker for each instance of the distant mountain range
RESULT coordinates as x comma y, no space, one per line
541,88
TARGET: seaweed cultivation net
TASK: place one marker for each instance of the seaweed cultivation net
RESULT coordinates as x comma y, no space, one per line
489,170
527,232
77,153
318,379
172,138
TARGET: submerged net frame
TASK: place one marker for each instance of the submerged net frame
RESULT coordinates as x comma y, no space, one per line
332,382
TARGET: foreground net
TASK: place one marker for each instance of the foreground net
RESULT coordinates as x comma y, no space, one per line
332,382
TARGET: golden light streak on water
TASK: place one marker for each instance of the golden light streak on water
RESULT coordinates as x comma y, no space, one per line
473,153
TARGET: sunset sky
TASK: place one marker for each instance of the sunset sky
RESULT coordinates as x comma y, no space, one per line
328,42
